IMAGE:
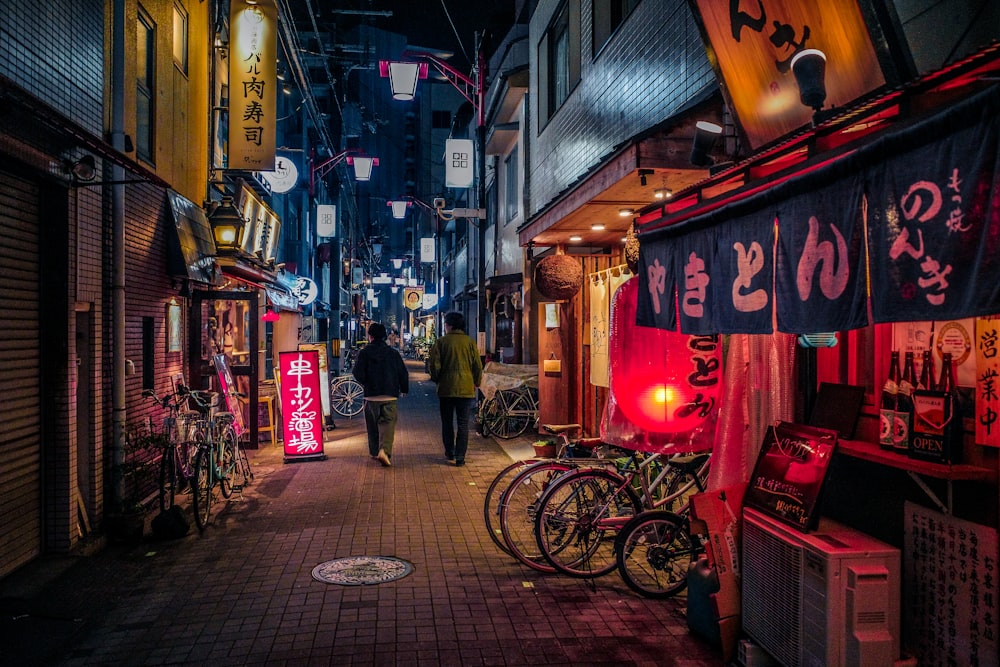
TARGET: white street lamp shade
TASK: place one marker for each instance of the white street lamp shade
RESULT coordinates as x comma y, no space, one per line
403,80
363,167
399,208
397,263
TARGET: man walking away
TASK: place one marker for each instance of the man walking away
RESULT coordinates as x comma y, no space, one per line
382,373
455,366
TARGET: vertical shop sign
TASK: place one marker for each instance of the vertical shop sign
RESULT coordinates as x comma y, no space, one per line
458,165
987,382
252,84
301,405
950,591
326,220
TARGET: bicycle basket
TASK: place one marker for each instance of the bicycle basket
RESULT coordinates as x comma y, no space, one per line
187,425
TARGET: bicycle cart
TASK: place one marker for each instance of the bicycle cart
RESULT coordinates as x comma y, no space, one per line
510,399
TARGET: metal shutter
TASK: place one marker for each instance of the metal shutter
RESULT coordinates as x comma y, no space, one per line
20,411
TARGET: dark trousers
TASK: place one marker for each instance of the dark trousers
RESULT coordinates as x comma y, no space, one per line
455,435
380,422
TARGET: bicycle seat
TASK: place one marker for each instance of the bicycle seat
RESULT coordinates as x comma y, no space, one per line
690,463
224,417
556,429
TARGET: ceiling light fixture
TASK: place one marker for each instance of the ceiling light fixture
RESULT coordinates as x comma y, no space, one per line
663,193
597,227
625,212
576,237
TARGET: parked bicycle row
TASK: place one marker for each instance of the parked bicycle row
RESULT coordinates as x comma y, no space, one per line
202,455
595,508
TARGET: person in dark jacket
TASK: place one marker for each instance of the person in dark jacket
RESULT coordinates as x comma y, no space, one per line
382,373
455,366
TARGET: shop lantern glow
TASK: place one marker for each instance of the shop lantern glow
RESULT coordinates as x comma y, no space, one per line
663,381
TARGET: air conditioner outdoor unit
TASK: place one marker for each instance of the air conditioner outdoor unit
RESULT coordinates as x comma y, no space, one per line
820,599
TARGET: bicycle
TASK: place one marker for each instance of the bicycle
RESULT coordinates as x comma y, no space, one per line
581,513
347,396
568,449
177,458
654,550
219,462
509,412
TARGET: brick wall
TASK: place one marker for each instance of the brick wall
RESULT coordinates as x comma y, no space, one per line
648,69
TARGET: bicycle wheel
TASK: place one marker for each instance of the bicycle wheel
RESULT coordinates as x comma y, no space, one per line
493,415
578,519
203,491
228,461
506,425
494,497
517,511
654,551
488,413
169,478
347,397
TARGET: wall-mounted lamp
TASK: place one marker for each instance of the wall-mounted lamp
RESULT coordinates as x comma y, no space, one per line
705,136
403,77
227,224
363,166
809,68
625,212
84,169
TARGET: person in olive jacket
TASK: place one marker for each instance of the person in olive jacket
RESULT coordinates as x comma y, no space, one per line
382,373
455,366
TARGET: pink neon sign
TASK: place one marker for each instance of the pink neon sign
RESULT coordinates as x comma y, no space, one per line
301,407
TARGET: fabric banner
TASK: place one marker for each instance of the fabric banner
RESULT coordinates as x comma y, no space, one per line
696,291
600,289
744,274
934,226
655,305
820,280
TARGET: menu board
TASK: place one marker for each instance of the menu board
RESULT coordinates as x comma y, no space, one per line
790,472
950,591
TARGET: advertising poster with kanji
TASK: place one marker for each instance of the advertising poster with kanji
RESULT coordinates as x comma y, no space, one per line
301,405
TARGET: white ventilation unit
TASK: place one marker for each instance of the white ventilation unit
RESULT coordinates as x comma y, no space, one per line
820,599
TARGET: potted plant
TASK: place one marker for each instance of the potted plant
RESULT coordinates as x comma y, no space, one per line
133,481
545,449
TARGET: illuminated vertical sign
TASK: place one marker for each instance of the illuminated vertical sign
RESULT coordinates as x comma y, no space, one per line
427,250
458,163
326,220
253,52
301,404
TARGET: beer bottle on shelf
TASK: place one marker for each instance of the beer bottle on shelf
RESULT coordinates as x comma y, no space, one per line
946,382
887,403
926,381
904,413
909,371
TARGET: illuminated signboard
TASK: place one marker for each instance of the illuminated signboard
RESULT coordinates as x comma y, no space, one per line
326,220
301,404
458,165
284,177
253,53
754,43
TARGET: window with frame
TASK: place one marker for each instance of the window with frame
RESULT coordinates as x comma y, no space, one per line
511,200
181,38
559,59
145,69
608,15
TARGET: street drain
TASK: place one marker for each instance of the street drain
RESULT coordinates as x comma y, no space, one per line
361,570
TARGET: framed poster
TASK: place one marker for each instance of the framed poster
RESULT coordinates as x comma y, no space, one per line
230,393
174,327
790,472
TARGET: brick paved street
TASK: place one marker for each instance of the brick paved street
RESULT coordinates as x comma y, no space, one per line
242,593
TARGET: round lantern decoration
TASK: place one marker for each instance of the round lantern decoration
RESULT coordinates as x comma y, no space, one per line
558,277
663,381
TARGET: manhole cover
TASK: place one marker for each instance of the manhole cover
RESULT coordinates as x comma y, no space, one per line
361,570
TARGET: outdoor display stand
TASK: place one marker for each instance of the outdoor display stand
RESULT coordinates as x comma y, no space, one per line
301,406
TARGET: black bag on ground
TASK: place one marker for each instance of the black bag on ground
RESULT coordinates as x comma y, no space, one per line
170,524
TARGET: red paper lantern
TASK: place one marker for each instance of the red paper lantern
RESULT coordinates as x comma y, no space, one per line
663,381
270,316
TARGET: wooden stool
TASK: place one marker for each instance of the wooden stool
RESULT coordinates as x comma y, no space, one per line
265,419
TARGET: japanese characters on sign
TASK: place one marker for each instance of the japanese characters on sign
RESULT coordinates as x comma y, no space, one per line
950,602
253,44
301,404
754,42
987,396
908,221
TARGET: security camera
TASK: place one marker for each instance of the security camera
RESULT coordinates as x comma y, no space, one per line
439,202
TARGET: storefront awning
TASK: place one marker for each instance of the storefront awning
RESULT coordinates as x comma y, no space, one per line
191,249
909,221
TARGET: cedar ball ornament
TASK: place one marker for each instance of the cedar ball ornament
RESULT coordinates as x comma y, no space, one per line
558,277
632,250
